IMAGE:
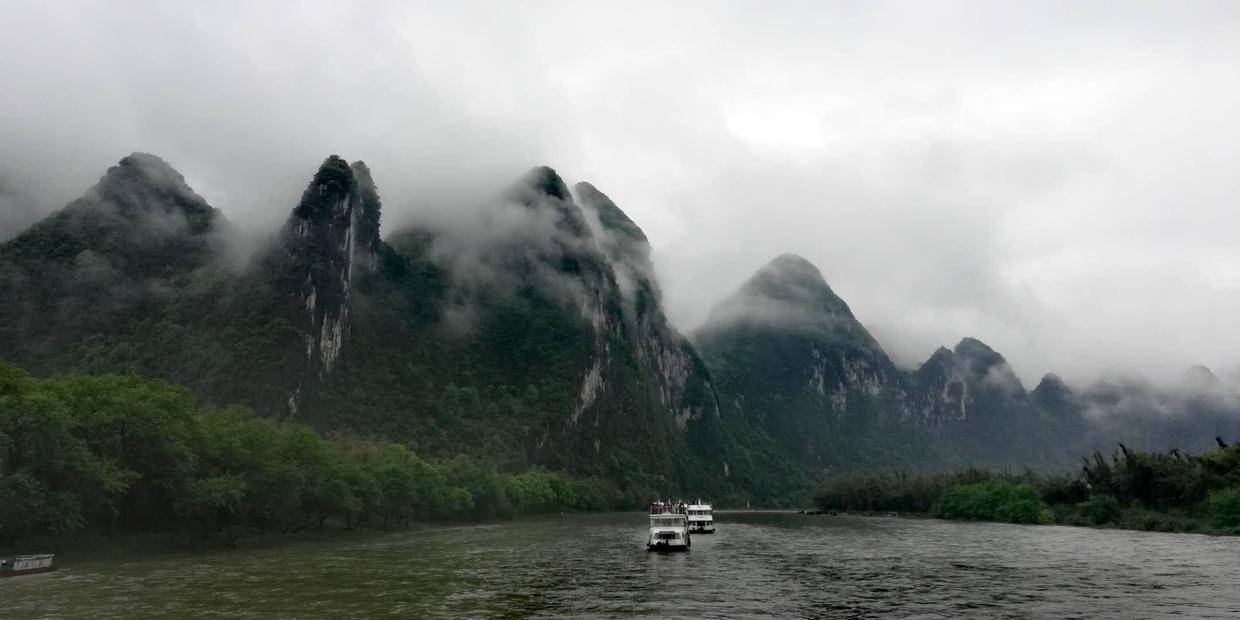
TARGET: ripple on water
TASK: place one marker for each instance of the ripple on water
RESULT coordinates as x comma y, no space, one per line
594,566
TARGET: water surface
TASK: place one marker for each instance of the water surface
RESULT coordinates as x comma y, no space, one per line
758,564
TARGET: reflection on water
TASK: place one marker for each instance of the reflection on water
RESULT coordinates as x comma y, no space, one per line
758,564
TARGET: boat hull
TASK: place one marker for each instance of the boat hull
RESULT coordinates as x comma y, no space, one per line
27,564
666,548
28,571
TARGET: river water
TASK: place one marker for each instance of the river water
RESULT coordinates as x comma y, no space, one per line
759,564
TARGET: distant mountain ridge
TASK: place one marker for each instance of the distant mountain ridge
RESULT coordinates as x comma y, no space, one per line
792,353
541,341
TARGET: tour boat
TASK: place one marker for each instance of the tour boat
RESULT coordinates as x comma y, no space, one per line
26,565
701,518
669,527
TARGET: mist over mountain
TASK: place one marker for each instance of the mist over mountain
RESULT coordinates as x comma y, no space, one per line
532,331
794,357
538,342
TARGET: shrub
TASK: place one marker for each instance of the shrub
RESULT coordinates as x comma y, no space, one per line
1099,510
1224,508
994,501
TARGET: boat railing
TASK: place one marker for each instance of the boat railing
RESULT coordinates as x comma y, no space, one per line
659,508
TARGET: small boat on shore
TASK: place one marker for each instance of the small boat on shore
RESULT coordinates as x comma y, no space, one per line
669,527
701,518
27,564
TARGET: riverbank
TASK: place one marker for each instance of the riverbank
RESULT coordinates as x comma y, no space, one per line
125,454
1135,490
1131,519
95,547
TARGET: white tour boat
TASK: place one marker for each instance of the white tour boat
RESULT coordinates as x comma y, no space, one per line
701,518
669,527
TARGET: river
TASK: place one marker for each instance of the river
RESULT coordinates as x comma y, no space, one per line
758,564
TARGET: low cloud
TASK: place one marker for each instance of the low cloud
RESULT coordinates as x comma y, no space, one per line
1057,181
519,238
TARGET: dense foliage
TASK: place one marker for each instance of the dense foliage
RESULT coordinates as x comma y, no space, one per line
1131,489
994,501
125,453
893,491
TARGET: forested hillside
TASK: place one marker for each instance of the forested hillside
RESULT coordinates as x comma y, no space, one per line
536,339
546,345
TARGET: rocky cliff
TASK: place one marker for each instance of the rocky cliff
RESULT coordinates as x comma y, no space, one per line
331,239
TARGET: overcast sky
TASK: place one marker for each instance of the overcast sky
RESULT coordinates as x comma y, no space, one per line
1059,180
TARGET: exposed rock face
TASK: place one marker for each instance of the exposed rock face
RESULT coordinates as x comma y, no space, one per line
331,236
598,255
969,385
552,319
790,351
571,268
804,369
681,378
945,391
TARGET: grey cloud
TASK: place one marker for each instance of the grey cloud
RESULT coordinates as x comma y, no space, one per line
1057,180
518,238
17,210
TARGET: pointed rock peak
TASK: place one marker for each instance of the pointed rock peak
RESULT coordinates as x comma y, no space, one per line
149,168
543,189
333,183
793,279
341,205
984,363
941,361
545,180
142,182
334,174
793,264
1052,385
141,215
1052,380
1054,396
978,352
789,294
973,345
610,216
